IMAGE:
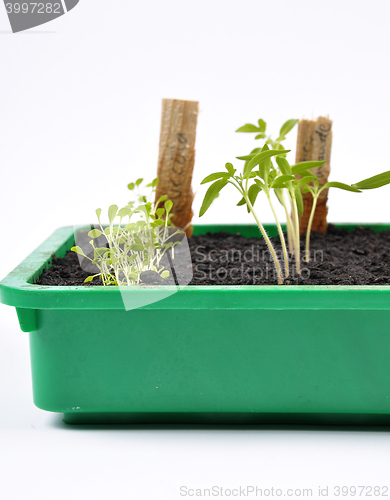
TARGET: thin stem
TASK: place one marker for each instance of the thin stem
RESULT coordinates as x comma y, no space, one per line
297,239
308,230
267,240
281,236
290,229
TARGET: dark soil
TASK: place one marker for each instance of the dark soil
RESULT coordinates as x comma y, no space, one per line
337,258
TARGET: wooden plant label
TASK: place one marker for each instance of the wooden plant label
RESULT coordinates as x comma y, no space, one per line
176,158
314,143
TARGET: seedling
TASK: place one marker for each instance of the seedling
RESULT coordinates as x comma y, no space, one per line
260,132
266,178
137,243
315,191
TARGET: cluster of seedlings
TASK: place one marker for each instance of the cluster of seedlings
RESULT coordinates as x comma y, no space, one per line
267,170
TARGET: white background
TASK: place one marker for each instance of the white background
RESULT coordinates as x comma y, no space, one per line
80,107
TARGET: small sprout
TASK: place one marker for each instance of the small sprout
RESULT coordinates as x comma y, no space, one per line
134,247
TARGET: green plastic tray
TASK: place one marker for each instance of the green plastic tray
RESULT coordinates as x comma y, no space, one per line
221,354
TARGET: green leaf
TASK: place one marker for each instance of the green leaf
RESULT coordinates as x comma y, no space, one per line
341,185
131,186
260,136
262,125
259,183
124,211
309,178
246,157
138,182
160,212
374,182
285,178
78,250
241,202
229,167
307,173
251,155
112,211
279,195
162,198
153,183
211,194
98,212
283,165
95,233
249,128
298,197
90,278
165,274
168,206
286,128
214,177
264,155
253,192
137,248
305,165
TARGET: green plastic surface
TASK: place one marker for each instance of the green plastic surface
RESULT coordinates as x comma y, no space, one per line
234,354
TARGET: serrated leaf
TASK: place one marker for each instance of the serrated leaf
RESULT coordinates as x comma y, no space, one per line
211,194
94,233
248,128
286,128
214,177
374,182
341,185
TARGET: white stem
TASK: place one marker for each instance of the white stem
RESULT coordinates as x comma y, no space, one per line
281,236
267,240
308,230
